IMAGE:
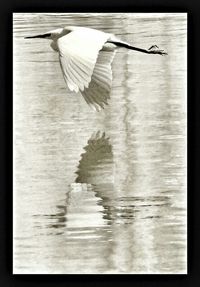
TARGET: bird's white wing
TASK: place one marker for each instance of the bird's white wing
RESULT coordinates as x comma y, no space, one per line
99,88
78,55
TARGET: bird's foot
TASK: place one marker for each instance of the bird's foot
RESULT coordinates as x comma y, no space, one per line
155,50
153,47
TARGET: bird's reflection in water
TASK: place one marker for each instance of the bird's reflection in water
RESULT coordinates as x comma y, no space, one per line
96,168
96,163
84,203
92,201
99,224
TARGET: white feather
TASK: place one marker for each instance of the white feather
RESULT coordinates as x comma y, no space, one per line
78,52
98,92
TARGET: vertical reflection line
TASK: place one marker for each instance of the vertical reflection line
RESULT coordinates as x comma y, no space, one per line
123,253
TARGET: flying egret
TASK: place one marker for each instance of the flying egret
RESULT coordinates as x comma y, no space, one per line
85,56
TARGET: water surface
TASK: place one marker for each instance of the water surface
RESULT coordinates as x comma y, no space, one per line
101,192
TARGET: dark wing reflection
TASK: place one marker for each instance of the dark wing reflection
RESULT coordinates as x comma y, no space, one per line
92,200
96,169
96,163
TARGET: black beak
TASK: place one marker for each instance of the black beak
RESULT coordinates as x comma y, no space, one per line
39,36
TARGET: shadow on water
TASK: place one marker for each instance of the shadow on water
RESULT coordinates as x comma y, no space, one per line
97,223
95,218
84,204
91,200
96,163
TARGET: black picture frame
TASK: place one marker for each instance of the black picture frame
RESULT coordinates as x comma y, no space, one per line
7,8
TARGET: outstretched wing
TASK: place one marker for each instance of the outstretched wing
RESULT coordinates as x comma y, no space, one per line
98,92
78,55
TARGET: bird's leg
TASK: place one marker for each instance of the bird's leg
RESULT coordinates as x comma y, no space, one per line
155,50
152,50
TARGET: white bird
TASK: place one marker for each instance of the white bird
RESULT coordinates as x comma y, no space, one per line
85,56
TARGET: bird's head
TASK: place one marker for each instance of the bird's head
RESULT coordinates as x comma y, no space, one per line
53,34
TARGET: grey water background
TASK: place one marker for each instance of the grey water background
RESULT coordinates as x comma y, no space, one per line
101,192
